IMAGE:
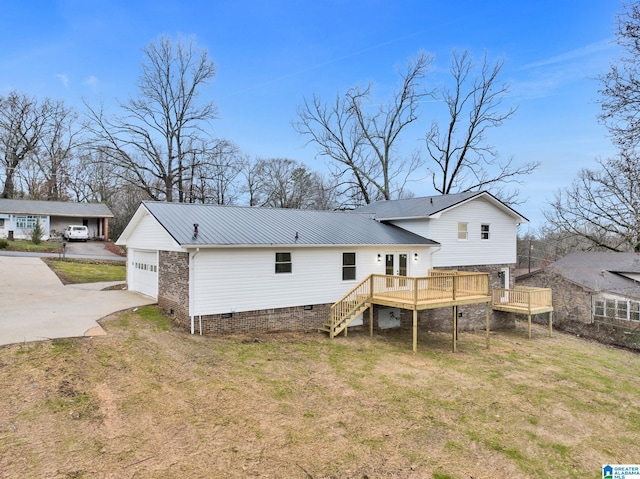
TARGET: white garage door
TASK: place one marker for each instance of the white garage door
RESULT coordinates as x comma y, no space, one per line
144,272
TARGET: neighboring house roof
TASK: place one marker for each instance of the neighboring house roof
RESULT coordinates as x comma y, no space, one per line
54,208
602,272
253,226
430,206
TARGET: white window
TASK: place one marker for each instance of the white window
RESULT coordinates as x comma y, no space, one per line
620,309
26,222
283,263
348,266
462,231
484,232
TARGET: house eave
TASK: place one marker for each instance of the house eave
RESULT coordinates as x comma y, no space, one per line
193,246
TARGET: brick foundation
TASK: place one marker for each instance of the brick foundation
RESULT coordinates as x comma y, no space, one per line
267,320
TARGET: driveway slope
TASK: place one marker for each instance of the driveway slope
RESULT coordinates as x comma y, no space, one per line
35,305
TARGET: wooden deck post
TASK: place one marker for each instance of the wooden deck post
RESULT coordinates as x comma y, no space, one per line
455,327
529,316
415,330
488,323
371,320
550,322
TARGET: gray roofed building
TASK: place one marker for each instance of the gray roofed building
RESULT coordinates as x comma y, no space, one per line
241,225
55,208
428,206
592,286
602,271
18,218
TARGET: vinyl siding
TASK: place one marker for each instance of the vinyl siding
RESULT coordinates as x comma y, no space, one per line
500,248
149,235
229,280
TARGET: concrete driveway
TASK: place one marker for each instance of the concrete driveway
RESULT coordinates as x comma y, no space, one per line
35,305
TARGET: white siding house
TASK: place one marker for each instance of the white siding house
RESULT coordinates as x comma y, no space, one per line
232,269
225,263
19,217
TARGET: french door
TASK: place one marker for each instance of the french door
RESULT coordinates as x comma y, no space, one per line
396,265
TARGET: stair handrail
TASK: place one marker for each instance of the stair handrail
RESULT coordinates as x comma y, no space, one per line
358,295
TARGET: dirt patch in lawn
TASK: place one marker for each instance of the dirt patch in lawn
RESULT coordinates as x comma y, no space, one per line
149,400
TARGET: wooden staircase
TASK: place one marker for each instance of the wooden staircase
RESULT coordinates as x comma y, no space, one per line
348,308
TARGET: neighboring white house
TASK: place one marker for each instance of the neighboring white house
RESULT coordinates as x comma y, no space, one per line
19,217
229,269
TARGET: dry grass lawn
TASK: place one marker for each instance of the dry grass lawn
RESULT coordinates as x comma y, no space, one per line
149,401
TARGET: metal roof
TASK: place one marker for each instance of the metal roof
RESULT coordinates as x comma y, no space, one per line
424,207
54,208
601,271
254,226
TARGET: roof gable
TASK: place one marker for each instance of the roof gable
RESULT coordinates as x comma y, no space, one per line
431,206
54,208
253,226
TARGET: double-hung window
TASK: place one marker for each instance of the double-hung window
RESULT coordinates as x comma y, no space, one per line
484,231
462,231
283,263
348,266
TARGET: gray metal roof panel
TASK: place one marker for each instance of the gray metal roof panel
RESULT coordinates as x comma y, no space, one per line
253,226
424,207
414,207
599,271
54,208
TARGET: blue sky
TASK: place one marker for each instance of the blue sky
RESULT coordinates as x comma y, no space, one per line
270,55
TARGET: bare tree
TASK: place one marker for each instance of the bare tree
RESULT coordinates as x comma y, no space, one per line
216,179
59,142
621,86
360,139
152,140
602,206
284,183
462,159
22,122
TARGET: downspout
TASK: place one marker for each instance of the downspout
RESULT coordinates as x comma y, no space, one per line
191,289
432,252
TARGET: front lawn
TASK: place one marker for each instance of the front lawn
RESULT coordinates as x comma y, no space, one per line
74,271
149,400
28,246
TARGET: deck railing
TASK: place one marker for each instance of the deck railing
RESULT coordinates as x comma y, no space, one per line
526,297
438,285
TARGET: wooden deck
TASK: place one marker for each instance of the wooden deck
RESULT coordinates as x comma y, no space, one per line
440,289
524,300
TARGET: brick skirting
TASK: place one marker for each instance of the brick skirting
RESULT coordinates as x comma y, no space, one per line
267,320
